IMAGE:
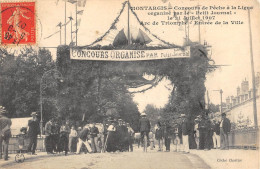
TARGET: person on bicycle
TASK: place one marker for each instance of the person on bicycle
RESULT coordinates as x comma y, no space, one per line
144,126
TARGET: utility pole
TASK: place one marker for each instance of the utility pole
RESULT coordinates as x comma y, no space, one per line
60,25
221,92
189,27
65,19
128,20
199,23
76,23
252,71
71,29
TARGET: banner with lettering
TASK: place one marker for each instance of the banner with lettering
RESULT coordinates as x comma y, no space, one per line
128,55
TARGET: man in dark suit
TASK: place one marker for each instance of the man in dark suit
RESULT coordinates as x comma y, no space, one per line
144,125
49,132
204,128
224,131
34,130
93,132
5,132
167,135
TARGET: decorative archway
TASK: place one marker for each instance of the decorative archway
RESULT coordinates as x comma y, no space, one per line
186,74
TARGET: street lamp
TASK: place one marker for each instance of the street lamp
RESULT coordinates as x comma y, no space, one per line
42,87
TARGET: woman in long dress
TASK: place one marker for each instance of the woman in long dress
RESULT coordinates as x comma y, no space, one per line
111,141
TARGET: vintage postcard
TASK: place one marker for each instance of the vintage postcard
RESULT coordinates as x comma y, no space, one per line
129,84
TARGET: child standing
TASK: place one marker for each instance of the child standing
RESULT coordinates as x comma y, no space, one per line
21,138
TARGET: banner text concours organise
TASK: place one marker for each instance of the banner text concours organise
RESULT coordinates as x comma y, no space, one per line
128,55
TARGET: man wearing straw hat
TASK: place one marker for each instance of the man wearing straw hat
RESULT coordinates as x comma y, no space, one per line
5,132
145,127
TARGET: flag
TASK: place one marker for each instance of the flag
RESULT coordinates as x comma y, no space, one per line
59,25
82,3
75,31
80,12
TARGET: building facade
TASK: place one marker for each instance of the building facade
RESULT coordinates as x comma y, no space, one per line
239,108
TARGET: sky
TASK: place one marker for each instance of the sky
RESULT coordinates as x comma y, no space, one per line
230,43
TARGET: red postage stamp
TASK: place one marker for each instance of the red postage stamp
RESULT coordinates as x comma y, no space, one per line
18,23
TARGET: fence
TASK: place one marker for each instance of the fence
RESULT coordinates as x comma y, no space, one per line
13,144
244,138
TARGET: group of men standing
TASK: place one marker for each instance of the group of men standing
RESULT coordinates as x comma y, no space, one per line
208,134
57,136
203,133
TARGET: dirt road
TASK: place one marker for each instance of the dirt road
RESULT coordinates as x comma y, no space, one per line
124,160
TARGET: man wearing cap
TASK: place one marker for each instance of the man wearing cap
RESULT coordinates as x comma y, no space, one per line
49,132
144,125
93,132
33,131
185,133
5,132
224,130
64,137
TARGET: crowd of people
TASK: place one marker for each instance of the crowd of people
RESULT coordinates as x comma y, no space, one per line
111,135
202,134
115,135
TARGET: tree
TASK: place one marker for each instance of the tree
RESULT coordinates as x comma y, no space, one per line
20,79
90,90
153,113
214,108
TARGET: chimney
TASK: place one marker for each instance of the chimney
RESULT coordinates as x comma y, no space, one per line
244,87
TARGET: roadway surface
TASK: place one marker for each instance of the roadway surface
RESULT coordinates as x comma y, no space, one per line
121,160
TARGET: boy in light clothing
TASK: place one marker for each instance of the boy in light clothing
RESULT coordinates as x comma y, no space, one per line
72,136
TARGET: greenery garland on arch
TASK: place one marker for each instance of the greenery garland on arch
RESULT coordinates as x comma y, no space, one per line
187,75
